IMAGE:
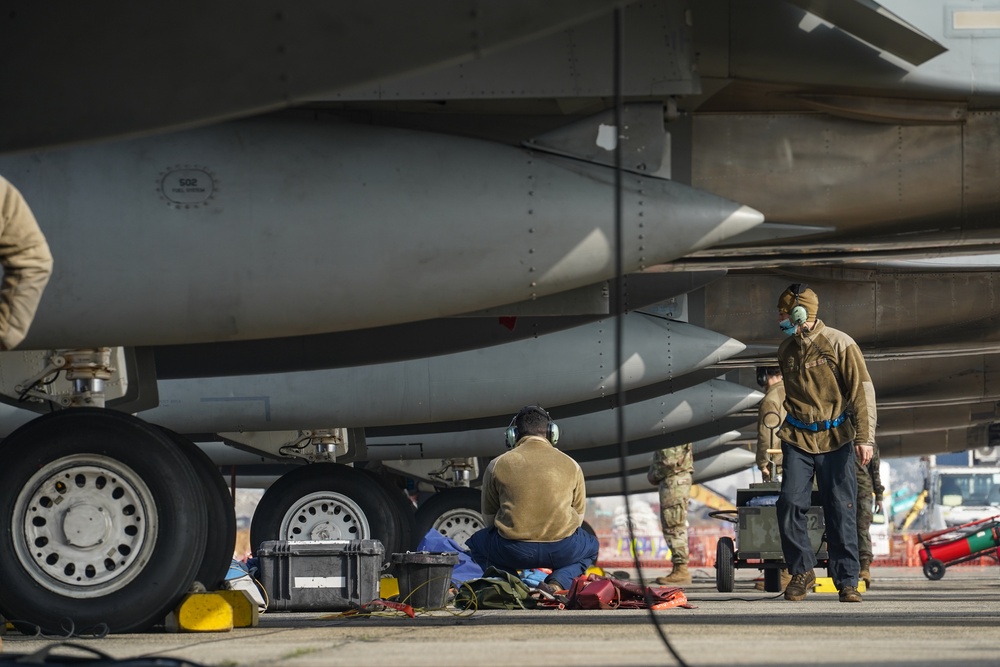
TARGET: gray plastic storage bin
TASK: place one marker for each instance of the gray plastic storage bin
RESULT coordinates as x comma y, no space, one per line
320,576
424,577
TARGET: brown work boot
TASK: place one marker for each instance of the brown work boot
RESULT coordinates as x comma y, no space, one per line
865,573
679,575
800,585
849,593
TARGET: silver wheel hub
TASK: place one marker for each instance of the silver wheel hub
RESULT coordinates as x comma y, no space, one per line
459,524
325,515
84,525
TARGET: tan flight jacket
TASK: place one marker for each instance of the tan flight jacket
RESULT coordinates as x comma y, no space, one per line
534,492
26,262
813,392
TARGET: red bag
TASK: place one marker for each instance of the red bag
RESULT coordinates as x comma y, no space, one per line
593,593
590,591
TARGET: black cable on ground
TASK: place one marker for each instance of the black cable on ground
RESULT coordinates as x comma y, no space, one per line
618,41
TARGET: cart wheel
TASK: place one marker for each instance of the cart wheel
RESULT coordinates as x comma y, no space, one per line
934,569
772,580
725,553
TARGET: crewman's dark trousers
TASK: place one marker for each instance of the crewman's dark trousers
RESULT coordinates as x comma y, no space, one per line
838,490
568,558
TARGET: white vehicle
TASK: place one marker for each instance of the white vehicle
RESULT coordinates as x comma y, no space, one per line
960,494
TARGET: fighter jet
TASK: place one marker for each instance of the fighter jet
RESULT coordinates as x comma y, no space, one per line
469,182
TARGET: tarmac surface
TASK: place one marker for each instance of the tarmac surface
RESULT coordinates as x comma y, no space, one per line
905,619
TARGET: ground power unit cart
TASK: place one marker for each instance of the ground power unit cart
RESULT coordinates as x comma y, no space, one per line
757,537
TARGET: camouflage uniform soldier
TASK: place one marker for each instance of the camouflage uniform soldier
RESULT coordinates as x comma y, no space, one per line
672,469
869,484
770,416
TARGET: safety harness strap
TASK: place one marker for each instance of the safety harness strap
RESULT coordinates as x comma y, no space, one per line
815,427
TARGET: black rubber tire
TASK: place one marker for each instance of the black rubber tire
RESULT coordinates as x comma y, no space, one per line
934,569
447,501
587,527
725,563
772,580
335,480
405,515
79,445
221,542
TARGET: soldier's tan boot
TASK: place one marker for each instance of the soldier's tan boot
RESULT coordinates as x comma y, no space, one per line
865,574
679,575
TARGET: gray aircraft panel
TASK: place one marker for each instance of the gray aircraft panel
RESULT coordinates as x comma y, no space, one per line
775,41
574,63
716,466
892,310
814,169
407,341
901,421
303,227
634,462
700,404
870,22
641,465
134,67
935,442
562,367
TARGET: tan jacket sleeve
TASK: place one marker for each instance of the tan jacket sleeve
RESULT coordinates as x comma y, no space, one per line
490,496
580,493
27,266
862,395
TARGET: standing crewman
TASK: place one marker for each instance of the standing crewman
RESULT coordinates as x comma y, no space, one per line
671,470
870,492
829,422
533,502
770,416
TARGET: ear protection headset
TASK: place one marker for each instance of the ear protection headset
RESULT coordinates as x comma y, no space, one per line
763,373
798,314
512,435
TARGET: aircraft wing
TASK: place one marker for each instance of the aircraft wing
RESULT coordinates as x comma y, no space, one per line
134,68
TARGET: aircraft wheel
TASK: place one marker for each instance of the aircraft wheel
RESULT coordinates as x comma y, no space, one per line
725,558
454,513
404,514
102,513
221,540
934,569
325,501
